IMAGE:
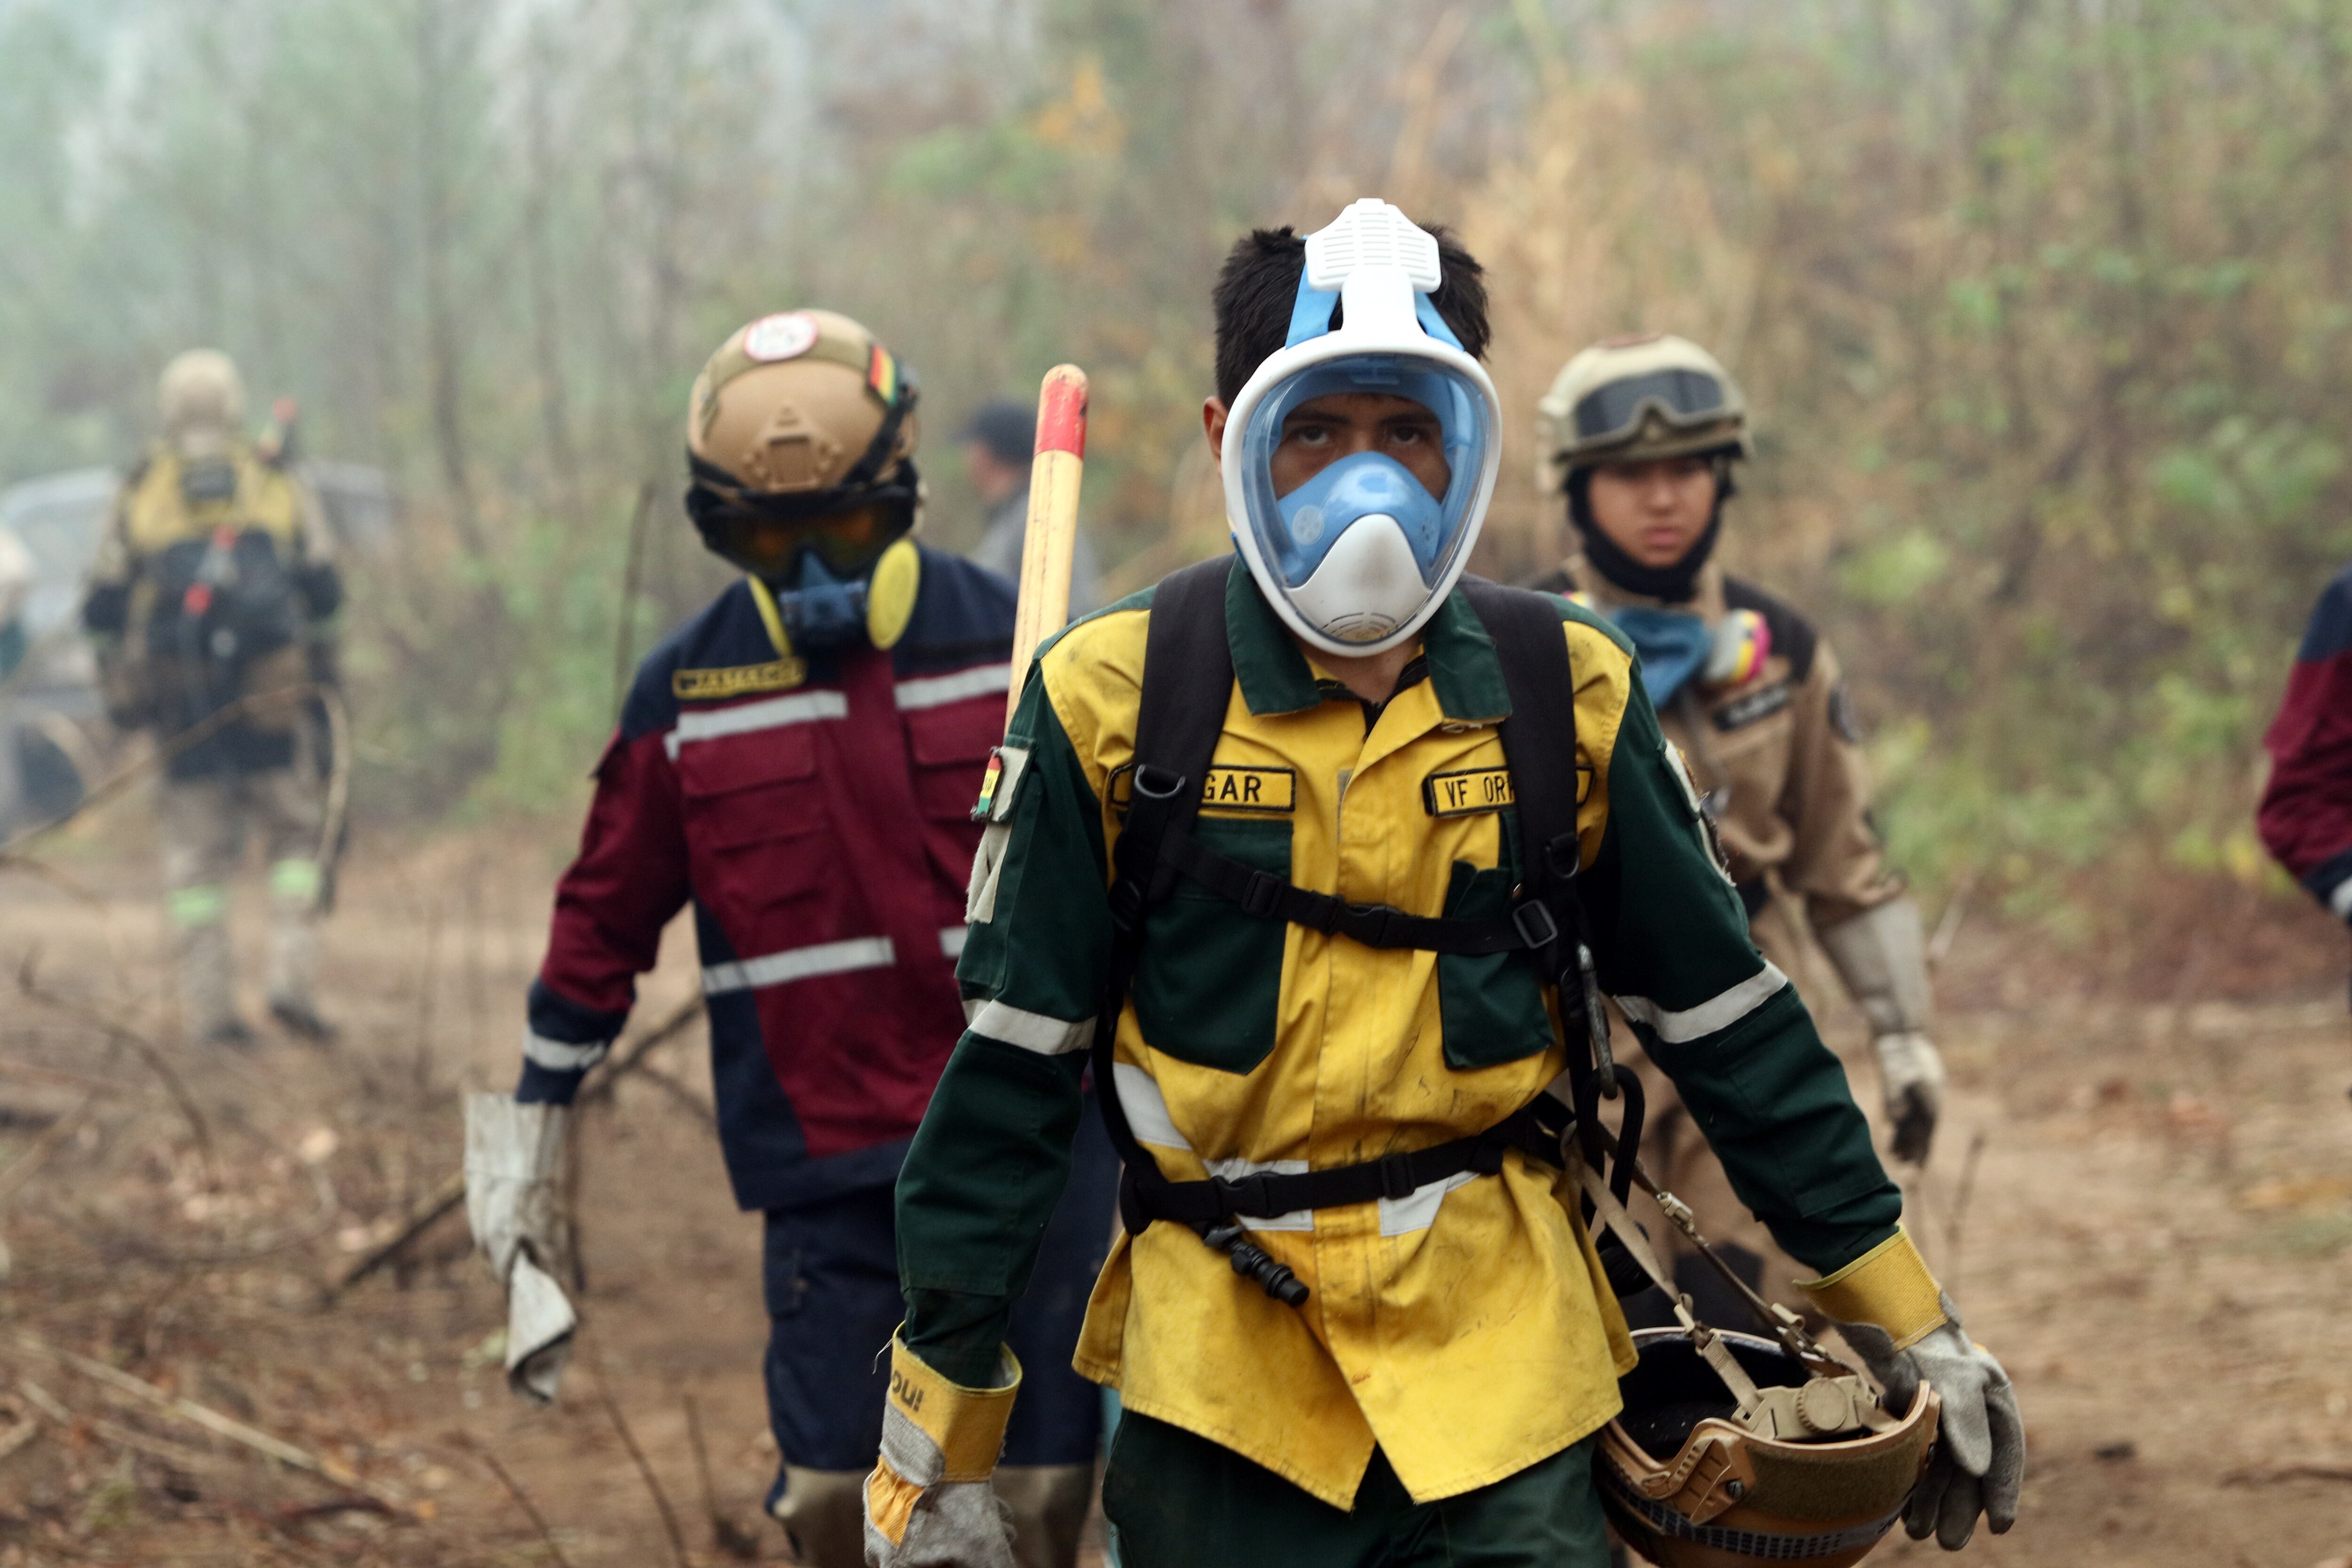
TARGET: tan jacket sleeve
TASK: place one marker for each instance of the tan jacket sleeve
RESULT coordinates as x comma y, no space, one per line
1837,864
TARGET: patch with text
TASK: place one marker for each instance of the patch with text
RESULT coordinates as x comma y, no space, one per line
1229,789
1742,711
737,680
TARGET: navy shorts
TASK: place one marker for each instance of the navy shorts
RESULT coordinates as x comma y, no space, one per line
831,1274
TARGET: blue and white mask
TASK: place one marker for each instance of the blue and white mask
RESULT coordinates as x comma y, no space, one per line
1359,557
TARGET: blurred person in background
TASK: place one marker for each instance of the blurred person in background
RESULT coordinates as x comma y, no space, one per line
799,762
1642,434
16,586
999,444
2305,816
214,585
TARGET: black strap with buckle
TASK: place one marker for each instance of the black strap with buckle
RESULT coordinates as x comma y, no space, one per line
1179,720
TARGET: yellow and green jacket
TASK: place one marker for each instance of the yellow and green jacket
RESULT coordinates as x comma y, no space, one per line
1465,1329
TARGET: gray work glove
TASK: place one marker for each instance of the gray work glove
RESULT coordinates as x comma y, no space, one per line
1911,1077
1980,1462
928,1501
515,1209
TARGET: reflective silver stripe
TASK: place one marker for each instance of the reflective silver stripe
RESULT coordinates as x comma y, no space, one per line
768,713
1146,1108
798,964
2340,900
1147,1117
562,1056
936,690
1417,1210
1708,1017
1036,1032
951,940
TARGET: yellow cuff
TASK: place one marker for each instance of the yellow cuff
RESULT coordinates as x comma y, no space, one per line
968,1424
1888,1286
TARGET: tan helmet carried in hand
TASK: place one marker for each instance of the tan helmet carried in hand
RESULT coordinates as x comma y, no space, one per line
1629,400
1731,1451
800,435
202,400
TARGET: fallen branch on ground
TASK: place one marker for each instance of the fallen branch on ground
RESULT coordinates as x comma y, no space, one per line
146,1050
522,1500
188,1410
644,1469
2271,1475
451,1191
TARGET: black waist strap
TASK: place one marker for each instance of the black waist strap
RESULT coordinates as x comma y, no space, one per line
1534,1130
1528,928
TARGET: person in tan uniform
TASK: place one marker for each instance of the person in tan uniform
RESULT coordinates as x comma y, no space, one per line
216,583
1642,434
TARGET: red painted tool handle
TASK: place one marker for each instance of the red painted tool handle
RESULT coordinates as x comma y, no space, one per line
1062,411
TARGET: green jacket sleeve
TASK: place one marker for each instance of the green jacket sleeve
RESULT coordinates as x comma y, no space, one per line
992,1155
1672,945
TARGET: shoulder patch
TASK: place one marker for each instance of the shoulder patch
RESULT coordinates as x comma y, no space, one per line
737,680
1794,637
1001,785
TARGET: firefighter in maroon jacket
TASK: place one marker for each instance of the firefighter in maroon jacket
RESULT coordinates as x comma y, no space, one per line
800,761
2307,811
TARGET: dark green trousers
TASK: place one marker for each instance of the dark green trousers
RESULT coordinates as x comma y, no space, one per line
1181,1502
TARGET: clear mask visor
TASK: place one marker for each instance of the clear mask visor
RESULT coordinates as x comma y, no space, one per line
1297,530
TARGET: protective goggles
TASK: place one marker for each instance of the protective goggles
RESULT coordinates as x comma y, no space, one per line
1683,398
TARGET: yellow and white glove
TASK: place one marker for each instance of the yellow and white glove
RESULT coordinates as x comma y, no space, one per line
1907,1331
929,1503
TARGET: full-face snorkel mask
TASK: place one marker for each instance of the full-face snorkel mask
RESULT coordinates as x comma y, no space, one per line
1356,559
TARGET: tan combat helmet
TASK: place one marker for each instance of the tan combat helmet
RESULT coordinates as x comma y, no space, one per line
202,400
1629,400
801,434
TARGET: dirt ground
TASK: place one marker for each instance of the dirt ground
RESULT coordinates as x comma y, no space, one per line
2143,1198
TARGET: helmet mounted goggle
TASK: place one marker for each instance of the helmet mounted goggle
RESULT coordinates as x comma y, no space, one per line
1683,398
1357,556
848,524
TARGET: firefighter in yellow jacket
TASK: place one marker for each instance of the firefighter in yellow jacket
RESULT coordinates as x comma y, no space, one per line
1642,434
216,583
1355,1316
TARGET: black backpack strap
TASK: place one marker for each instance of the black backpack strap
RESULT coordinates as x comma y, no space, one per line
1539,745
1188,678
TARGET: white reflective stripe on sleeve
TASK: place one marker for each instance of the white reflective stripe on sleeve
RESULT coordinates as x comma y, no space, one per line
800,707
2340,900
951,940
1147,1117
562,1056
798,964
1036,1032
1715,1013
936,690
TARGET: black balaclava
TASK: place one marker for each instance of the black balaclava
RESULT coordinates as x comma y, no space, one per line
1674,584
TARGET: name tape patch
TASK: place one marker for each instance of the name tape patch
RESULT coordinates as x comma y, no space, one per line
737,680
1742,711
1229,789
1467,792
